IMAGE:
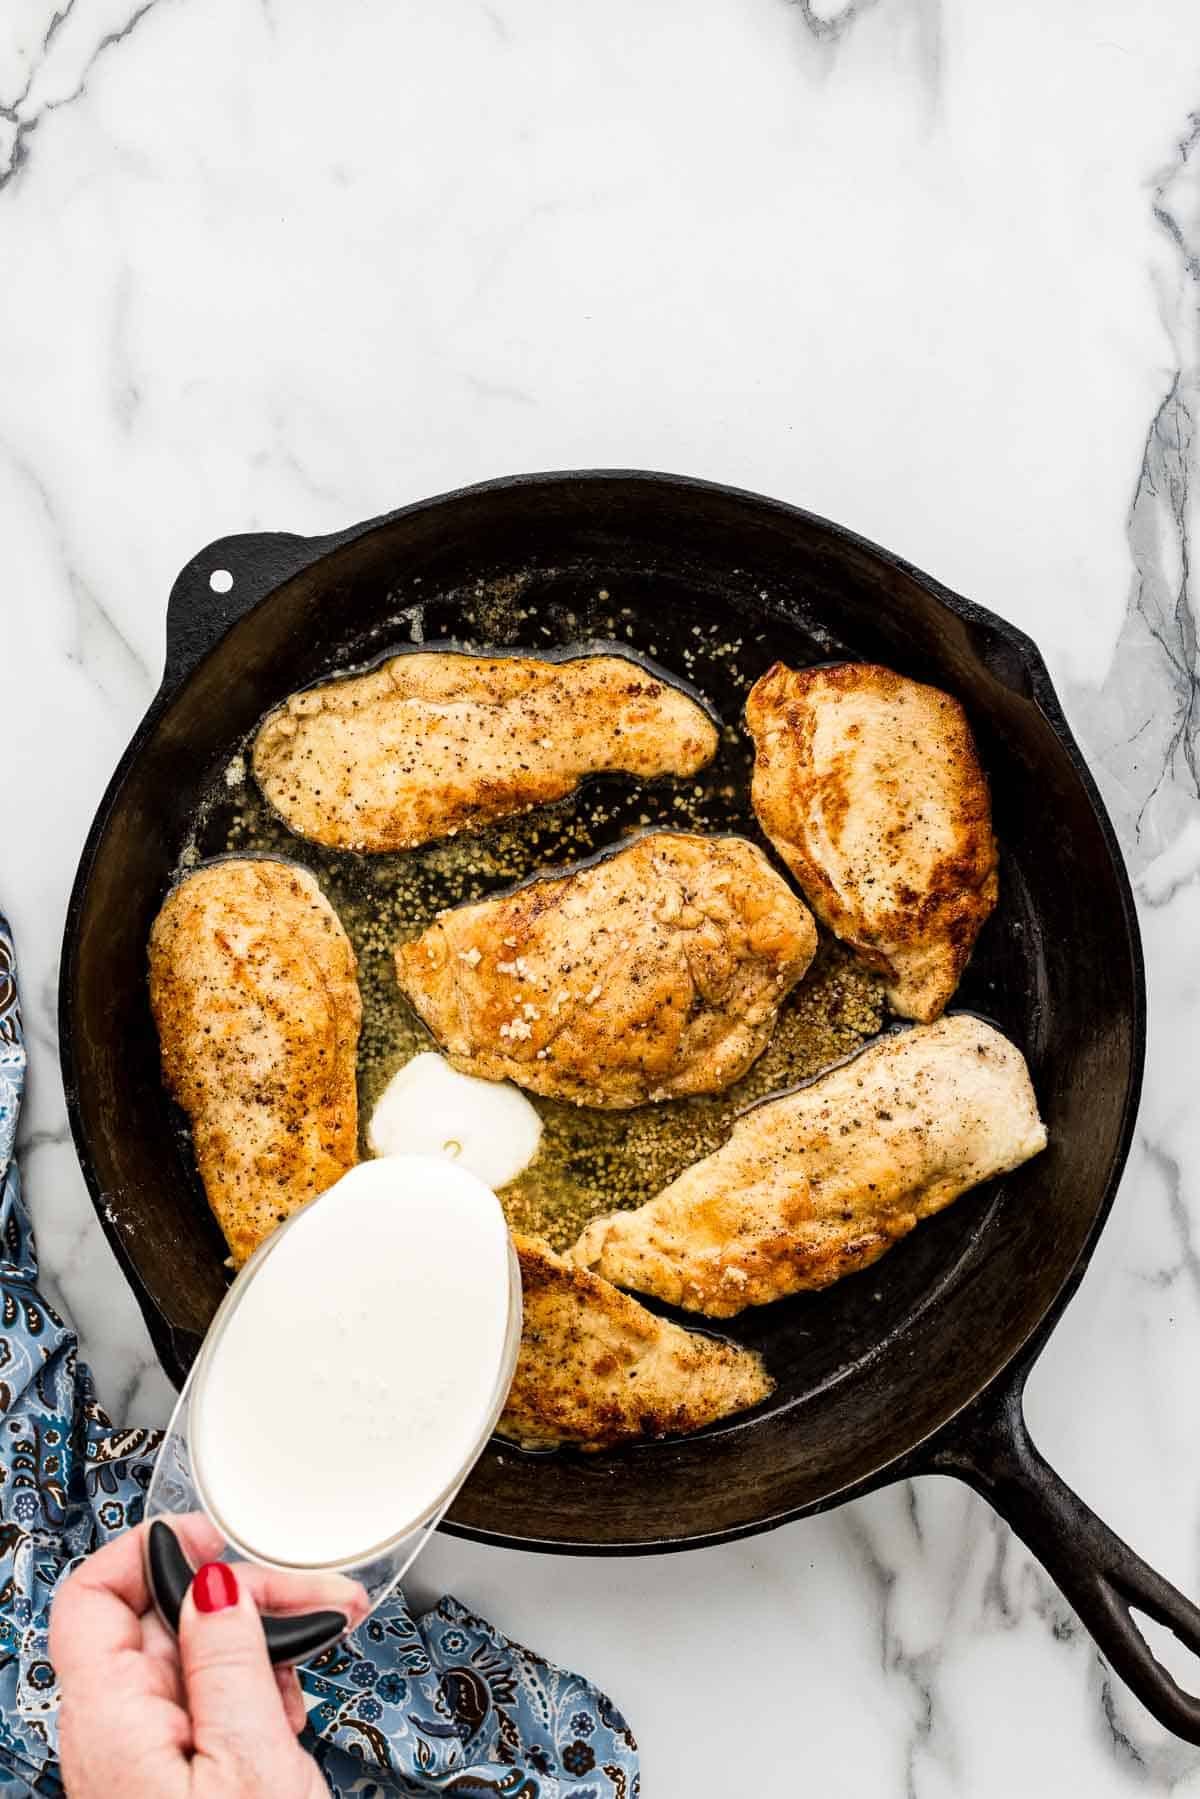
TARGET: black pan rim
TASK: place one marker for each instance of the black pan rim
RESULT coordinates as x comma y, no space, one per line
1043,695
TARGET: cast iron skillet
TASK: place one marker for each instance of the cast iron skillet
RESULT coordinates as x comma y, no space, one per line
915,1367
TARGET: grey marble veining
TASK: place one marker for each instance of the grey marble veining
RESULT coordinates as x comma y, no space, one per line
56,73
929,268
1143,722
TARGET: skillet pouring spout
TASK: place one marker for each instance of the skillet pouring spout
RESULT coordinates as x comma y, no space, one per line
1104,1580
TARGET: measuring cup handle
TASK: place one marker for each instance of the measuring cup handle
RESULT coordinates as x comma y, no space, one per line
170,1576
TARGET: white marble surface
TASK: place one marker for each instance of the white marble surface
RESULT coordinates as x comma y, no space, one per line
930,267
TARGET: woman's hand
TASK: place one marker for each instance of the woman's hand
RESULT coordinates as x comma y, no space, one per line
206,1717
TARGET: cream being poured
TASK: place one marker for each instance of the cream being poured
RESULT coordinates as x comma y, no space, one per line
488,1127
359,1369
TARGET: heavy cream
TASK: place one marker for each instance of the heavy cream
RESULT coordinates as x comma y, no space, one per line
354,1378
488,1127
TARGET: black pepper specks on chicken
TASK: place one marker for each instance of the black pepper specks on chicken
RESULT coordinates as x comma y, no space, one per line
818,1183
432,743
870,788
254,992
596,1369
648,975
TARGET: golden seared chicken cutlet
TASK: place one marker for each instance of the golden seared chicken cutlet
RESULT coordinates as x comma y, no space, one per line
253,986
436,742
869,787
596,1369
820,1182
654,972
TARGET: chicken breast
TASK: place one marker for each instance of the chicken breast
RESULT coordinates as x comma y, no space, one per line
434,743
597,1369
655,972
820,1182
869,787
253,986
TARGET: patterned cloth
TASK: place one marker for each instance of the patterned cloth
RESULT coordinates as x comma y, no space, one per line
438,1704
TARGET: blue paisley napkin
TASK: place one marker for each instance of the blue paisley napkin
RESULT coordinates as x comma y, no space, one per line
437,1704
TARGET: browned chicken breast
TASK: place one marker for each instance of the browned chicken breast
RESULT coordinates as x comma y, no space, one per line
597,1369
869,787
655,972
820,1182
430,744
254,991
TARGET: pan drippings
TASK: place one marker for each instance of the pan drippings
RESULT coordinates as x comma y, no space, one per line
590,1161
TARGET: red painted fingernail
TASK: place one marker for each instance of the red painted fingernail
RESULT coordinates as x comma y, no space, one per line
214,1587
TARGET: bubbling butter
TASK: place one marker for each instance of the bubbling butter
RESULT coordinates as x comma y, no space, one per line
356,1375
429,1108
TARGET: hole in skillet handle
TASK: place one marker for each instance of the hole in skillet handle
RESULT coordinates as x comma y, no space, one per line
288,1639
1105,1581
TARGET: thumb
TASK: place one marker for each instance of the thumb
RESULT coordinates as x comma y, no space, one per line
237,1711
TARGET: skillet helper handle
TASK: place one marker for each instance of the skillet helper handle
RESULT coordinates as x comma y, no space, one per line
227,579
1101,1576
244,569
288,1639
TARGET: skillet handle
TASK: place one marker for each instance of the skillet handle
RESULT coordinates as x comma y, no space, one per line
246,568
991,1450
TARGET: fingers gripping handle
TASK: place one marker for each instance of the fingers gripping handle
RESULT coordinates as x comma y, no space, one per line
288,1639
